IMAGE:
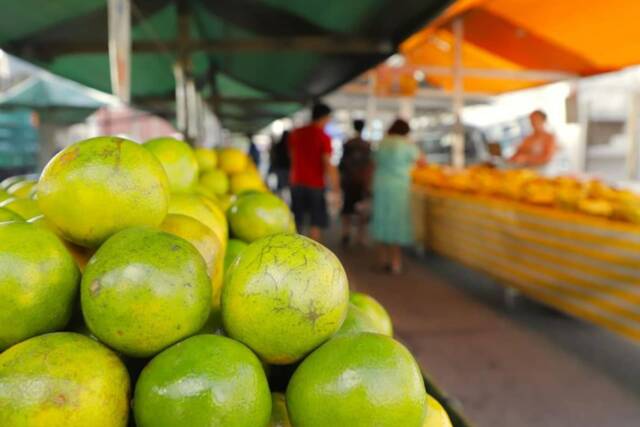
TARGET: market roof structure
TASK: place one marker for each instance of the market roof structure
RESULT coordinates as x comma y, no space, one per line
255,60
514,44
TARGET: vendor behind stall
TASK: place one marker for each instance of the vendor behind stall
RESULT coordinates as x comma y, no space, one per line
539,149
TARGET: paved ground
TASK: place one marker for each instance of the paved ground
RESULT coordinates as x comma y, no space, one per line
520,367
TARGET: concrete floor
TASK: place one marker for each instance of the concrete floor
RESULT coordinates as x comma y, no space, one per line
524,366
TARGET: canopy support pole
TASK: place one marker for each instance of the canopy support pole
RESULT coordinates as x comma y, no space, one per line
457,146
120,48
181,98
371,101
192,110
632,135
496,73
182,69
583,142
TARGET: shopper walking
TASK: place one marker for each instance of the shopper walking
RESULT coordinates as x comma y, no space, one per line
280,164
391,224
355,179
310,149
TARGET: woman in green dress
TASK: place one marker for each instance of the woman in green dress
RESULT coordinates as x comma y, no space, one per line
391,225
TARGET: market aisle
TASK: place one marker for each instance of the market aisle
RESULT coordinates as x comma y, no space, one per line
526,367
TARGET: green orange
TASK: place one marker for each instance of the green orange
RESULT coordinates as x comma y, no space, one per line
232,160
62,379
258,215
205,380
79,253
206,242
201,190
357,380
234,249
436,415
38,282
97,187
246,181
374,311
143,290
216,181
225,201
207,158
178,161
284,295
357,321
203,210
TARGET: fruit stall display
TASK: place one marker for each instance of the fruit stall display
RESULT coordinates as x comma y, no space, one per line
156,285
568,243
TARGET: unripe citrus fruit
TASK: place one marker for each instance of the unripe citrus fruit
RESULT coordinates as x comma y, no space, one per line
178,161
374,310
143,290
360,380
206,242
232,160
62,379
207,159
284,295
205,380
38,282
436,415
97,187
258,215
216,181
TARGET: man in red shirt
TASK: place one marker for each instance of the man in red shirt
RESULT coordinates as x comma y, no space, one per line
310,149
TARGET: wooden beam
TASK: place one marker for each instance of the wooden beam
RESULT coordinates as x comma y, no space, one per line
457,100
119,12
317,44
249,115
489,73
148,100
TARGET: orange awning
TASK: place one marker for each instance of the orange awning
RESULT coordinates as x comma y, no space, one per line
577,37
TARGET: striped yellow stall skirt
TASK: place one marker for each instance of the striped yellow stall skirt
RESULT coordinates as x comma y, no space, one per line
585,266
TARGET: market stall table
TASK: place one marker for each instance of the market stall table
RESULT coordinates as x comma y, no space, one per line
581,265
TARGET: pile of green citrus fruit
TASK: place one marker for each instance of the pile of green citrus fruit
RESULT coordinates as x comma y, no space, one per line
156,285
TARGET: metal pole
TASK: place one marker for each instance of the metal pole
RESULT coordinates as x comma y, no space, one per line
5,71
371,101
181,98
583,121
192,110
457,147
120,48
632,135
182,69
496,73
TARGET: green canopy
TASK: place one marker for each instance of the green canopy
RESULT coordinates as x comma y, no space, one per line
256,60
62,100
